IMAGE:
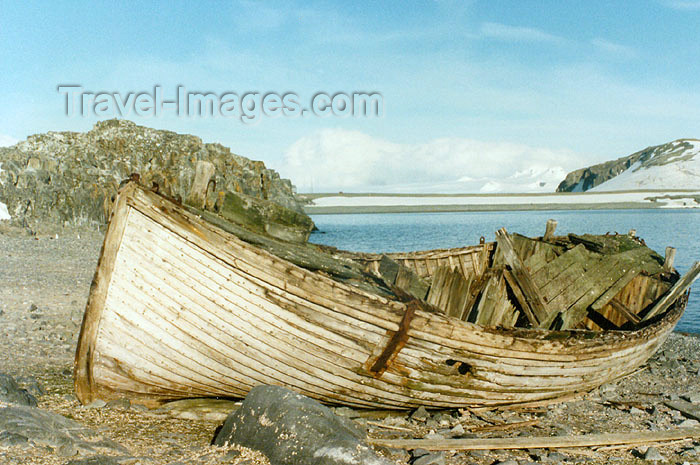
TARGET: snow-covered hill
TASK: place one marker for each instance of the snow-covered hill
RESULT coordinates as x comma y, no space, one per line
675,165
671,166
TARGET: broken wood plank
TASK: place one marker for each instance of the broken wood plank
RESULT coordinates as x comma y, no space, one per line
675,293
686,408
395,274
549,230
521,275
540,442
518,293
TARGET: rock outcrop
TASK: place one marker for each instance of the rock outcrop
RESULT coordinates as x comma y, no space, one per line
70,177
658,158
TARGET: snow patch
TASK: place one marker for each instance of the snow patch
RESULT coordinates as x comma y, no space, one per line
4,214
523,199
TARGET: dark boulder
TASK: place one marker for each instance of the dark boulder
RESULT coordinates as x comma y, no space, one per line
291,429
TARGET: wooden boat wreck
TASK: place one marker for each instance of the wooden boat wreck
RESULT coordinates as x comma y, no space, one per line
185,305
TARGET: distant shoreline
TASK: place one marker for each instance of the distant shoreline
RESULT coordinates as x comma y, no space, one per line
348,203
339,210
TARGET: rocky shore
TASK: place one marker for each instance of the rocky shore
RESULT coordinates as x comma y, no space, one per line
44,283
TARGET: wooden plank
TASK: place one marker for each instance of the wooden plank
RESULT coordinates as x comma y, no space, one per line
543,442
521,275
615,289
624,311
675,293
517,292
686,408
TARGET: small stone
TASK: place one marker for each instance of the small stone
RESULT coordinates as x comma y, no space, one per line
653,454
420,414
478,453
458,430
636,411
431,459
693,398
508,462
688,423
33,308
434,436
556,457
119,404
97,403
416,453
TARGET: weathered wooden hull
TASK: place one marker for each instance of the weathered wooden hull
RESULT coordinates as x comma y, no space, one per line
180,308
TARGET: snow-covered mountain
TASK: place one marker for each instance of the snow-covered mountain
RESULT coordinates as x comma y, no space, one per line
675,165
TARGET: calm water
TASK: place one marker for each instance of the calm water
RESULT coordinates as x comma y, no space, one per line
421,231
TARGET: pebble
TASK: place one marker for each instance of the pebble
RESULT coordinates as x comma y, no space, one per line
694,397
420,414
652,454
433,458
97,403
458,430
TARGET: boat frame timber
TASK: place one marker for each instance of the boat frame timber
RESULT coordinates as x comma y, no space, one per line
180,308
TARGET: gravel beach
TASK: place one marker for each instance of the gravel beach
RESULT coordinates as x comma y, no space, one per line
44,284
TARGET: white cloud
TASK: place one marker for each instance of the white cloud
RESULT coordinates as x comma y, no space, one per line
682,4
337,159
6,141
614,48
517,33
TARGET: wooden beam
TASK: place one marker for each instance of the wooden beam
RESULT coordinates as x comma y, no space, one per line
549,229
670,257
539,442
676,291
686,408
197,197
518,293
522,276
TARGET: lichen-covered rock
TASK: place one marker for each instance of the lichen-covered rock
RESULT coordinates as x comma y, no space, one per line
71,177
266,217
291,429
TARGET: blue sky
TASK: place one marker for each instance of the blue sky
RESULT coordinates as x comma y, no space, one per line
472,90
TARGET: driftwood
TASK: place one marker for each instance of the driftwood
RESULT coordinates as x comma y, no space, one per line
686,408
549,442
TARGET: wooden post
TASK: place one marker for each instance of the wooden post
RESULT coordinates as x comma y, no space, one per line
549,229
197,198
522,276
632,233
676,291
670,257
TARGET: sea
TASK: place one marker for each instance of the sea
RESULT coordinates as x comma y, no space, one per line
398,232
